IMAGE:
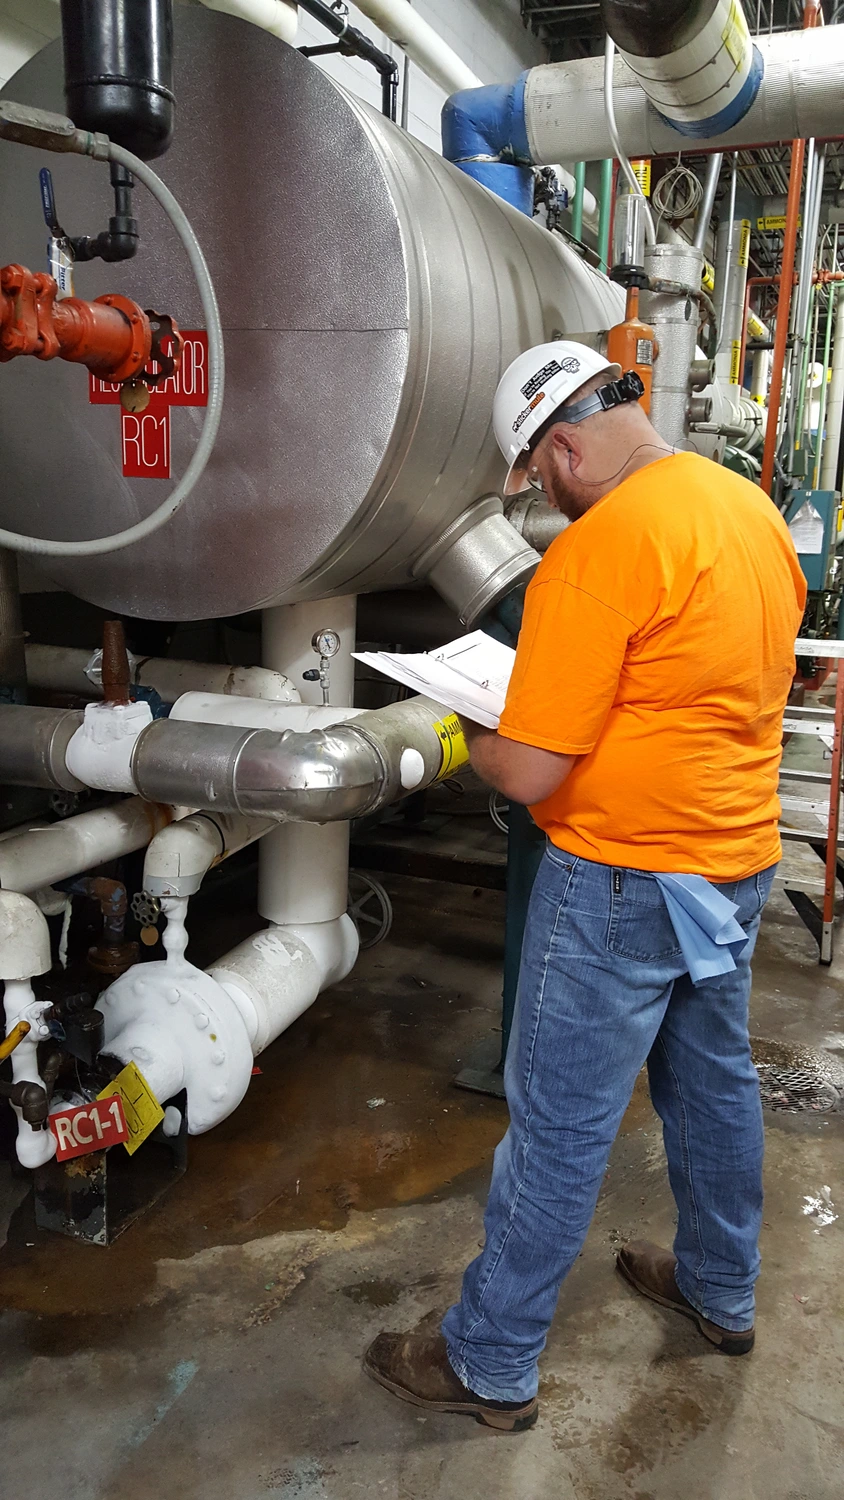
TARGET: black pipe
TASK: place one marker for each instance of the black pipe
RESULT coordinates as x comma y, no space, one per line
654,28
353,43
118,67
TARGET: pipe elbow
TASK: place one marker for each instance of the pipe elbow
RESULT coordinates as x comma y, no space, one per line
484,133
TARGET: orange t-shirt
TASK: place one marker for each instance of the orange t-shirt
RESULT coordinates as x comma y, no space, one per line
658,645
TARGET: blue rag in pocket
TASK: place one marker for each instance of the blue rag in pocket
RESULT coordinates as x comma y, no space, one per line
705,923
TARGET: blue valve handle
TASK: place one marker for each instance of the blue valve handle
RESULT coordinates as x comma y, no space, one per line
48,203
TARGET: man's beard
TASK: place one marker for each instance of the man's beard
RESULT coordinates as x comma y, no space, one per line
569,498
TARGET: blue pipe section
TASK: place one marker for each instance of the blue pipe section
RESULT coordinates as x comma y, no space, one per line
730,115
485,134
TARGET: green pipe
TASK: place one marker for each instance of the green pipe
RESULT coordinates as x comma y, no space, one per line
605,213
827,345
577,205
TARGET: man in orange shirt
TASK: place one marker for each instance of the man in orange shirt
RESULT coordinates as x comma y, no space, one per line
643,727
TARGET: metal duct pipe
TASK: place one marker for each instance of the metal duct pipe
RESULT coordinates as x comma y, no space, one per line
731,257
800,95
713,171
12,638
477,561
674,319
536,520
317,776
694,60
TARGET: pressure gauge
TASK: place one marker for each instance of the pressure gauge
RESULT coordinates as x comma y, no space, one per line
326,644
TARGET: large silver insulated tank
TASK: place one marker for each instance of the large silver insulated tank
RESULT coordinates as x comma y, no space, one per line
371,295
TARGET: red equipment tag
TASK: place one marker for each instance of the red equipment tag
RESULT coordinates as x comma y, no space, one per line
145,437
89,1127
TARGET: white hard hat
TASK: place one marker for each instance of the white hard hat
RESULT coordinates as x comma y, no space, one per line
529,392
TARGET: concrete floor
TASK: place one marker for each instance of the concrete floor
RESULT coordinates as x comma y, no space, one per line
213,1352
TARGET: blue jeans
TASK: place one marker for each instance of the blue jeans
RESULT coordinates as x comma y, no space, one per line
603,988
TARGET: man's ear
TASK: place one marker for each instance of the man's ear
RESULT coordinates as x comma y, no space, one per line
567,446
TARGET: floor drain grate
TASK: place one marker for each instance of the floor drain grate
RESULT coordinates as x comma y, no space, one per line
796,1078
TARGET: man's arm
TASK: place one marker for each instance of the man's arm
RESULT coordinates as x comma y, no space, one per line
522,773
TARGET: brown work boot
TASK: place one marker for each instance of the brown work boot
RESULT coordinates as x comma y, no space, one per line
416,1368
650,1270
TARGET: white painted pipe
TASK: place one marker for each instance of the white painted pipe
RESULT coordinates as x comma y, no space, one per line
25,952
800,96
40,855
279,17
759,371
63,669
180,856
257,713
421,43
835,405
277,974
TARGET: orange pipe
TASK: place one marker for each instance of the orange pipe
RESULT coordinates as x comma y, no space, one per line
811,12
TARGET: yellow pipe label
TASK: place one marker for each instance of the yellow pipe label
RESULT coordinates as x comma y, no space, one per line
735,362
642,173
455,750
776,221
744,243
707,279
736,36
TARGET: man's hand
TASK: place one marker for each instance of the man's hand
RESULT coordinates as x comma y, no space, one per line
521,773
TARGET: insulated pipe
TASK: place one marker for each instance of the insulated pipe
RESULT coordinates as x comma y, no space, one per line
835,408
423,45
674,319
478,561
539,522
317,776
35,858
12,638
25,953
800,95
180,855
64,669
731,280
303,868
279,17
694,61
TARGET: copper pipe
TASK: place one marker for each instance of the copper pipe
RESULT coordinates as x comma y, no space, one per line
116,676
792,212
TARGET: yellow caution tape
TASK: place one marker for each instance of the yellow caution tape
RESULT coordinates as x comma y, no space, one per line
455,749
140,1106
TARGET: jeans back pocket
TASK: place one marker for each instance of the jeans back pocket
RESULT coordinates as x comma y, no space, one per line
639,926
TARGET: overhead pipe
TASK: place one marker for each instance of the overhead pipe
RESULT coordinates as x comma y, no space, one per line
707,202
422,44
695,62
799,95
279,17
811,15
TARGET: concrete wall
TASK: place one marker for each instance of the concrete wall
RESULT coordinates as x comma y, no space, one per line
487,34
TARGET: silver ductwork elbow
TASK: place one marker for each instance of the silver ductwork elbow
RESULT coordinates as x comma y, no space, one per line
311,776
479,559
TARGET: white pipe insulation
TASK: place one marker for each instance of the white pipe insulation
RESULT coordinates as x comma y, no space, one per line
36,857
835,406
421,43
279,17
800,96
65,669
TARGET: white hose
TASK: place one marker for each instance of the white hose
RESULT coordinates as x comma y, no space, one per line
609,110
42,546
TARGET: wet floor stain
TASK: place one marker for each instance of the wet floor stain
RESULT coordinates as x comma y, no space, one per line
797,1078
383,1293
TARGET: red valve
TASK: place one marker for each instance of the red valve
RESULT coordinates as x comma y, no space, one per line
112,336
